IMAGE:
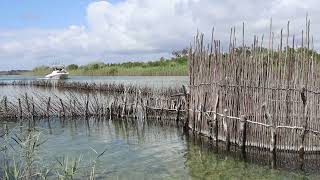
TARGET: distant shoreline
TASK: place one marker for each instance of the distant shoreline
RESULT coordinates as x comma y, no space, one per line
14,72
163,67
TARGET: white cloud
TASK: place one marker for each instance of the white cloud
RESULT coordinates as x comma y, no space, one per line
145,29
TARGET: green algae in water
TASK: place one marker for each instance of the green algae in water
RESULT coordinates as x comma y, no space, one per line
205,164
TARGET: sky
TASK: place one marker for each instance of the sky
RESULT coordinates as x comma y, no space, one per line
47,32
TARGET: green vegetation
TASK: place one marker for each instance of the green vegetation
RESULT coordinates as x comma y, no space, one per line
163,67
176,66
20,159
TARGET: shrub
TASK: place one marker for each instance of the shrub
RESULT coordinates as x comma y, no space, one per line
113,71
72,67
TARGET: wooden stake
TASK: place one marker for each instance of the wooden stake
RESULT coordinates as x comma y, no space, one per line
226,129
243,128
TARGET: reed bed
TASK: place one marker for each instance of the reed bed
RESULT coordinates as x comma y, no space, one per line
259,96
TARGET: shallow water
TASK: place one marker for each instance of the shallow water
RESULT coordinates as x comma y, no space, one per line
142,150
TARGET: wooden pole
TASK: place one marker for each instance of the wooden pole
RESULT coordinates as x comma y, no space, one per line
48,107
6,104
203,110
87,107
305,119
187,97
216,129
273,135
267,115
178,113
243,128
226,129
20,108
111,111
124,106
146,109
33,108
74,108
273,141
62,107
194,115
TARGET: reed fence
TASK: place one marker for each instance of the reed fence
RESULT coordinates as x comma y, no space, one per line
264,97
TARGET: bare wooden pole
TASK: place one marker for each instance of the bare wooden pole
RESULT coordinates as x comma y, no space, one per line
6,104
87,107
178,113
226,128
187,98
243,128
216,129
33,108
202,110
305,119
62,108
20,108
48,107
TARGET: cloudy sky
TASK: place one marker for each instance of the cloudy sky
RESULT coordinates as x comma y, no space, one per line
43,32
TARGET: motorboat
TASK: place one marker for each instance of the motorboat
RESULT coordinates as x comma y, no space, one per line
58,72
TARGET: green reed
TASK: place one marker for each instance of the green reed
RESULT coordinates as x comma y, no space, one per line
19,149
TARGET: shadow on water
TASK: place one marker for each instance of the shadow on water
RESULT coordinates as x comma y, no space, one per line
149,149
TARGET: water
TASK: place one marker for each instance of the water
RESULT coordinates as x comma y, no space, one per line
150,81
134,150
139,151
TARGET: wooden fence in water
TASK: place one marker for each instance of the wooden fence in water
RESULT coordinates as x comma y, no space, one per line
74,99
254,96
264,97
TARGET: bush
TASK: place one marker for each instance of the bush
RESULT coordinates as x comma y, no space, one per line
94,66
72,67
41,68
113,71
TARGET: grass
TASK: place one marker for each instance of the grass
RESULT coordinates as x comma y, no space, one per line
172,67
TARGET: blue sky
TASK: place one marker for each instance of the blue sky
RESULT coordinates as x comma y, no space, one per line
42,13
34,32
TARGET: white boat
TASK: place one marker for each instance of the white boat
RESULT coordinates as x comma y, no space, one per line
58,73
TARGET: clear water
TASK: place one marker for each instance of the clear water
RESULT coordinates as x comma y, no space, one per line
140,151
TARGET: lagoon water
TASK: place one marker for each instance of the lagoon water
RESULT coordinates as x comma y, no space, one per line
134,149
143,81
138,151
151,81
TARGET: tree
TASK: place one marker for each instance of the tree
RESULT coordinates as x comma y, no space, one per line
181,53
72,67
